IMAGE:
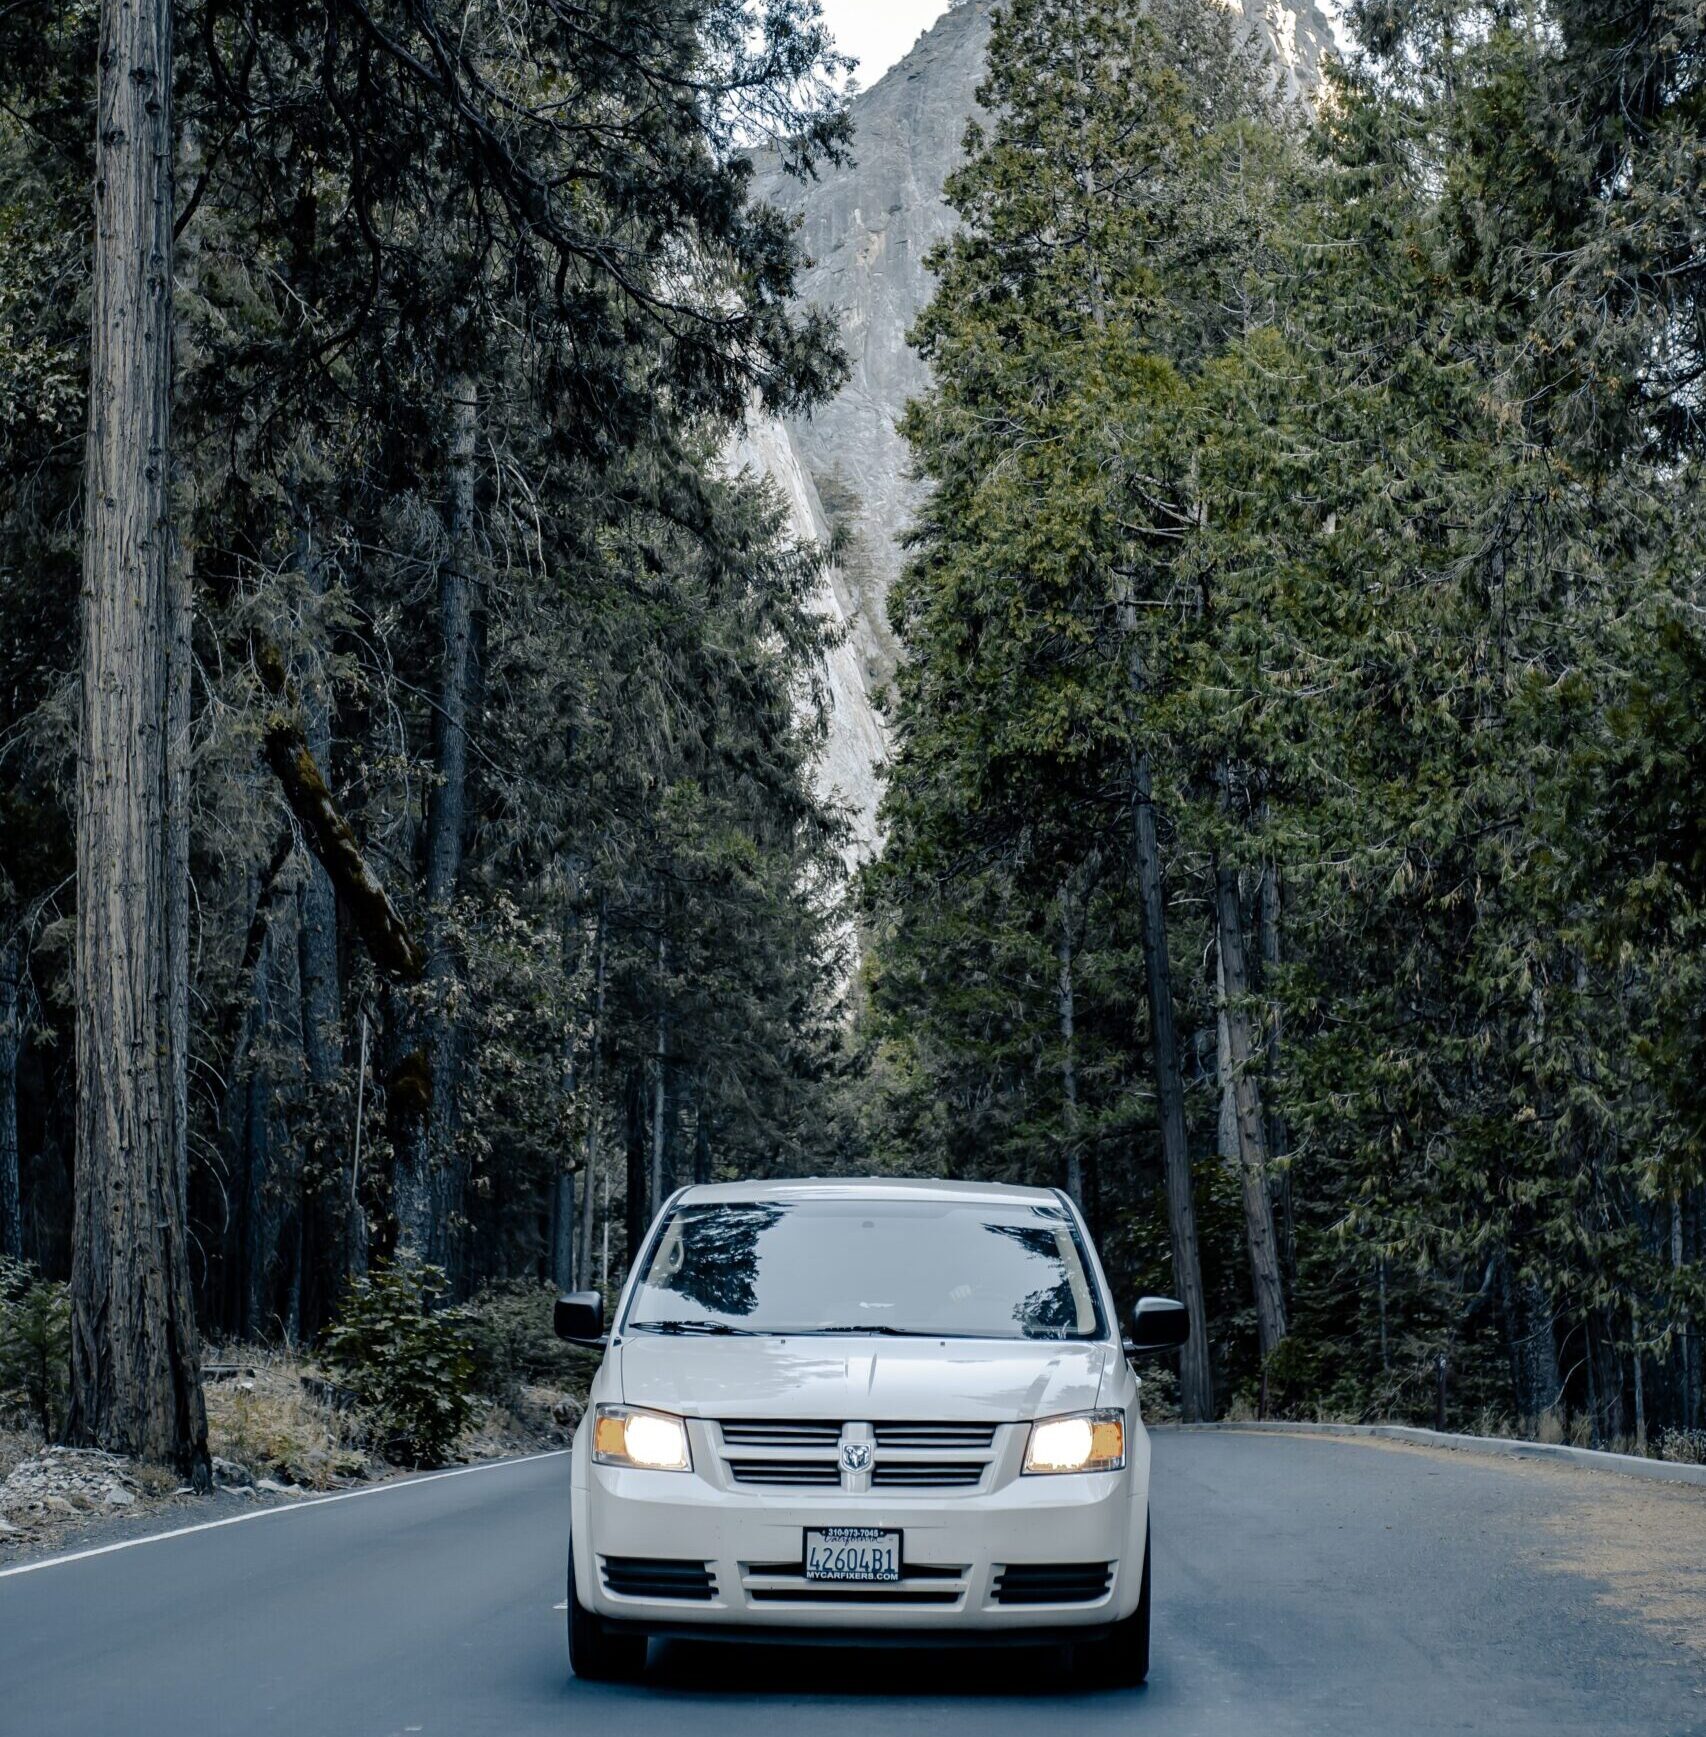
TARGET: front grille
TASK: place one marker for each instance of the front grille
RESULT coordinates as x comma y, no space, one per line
934,1435
658,1577
817,1472
907,1456
1052,1582
779,1433
926,1474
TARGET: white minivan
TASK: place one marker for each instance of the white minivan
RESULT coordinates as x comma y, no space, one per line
872,1410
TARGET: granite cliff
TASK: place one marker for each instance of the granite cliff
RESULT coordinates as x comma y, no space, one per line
867,228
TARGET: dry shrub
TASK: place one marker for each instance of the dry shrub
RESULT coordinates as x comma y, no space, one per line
16,1446
266,1421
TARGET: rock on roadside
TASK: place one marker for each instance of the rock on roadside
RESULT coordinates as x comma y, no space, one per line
59,1481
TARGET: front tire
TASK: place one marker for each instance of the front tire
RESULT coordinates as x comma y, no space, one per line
596,1654
1121,1659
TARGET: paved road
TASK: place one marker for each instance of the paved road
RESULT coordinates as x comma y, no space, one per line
1302,1586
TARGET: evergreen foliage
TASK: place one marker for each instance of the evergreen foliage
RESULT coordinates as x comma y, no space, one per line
1300,714
411,1366
1345,475
506,687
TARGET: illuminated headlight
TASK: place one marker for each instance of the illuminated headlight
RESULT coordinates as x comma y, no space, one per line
652,1440
1086,1441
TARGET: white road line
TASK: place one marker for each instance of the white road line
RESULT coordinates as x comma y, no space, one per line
282,1508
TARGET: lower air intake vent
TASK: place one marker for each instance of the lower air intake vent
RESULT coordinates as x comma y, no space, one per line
1052,1582
658,1577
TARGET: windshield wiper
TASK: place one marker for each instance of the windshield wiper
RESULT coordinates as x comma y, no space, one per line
875,1327
713,1327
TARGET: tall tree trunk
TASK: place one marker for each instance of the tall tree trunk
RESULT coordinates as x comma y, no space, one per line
431,1178
1269,900
1534,1350
635,1216
662,1100
1068,1056
1610,1414
322,1262
1239,1081
1635,1356
135,1361
701,1135
591,1167
563,1238
1196,1393
11,1044
262,1185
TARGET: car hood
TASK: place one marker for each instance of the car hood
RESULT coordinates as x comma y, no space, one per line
860,1378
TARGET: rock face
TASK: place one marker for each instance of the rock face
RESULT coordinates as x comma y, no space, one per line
867,228
847,769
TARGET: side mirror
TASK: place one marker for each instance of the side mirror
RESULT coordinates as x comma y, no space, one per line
579,1317
1158,1324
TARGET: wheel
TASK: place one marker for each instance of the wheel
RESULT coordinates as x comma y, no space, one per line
1121,1660
596,1654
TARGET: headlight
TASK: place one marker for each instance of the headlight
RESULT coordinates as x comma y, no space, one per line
654,1441
1087,1441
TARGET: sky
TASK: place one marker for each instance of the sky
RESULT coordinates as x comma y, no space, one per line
878,32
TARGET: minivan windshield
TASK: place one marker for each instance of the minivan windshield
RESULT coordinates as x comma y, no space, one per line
913,1267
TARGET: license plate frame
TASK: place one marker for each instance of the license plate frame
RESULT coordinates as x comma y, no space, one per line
852,1555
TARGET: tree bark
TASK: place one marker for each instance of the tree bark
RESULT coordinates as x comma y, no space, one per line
662,1103
1196,1392
430,1179
1534,1350
635,1216
1068,1057
11,1045
1269,900
563,1230
701,1135
590,1167
564,1240
136,1378
322,1265
1679,1319
1238,1080
1635,1356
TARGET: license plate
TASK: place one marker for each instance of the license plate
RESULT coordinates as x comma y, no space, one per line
852,1553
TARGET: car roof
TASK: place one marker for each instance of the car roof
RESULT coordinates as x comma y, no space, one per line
866,1188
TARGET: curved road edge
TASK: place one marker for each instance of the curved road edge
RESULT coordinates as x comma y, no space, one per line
1590,1459
136,1530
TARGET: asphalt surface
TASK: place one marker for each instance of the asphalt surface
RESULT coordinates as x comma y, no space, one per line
1302,1586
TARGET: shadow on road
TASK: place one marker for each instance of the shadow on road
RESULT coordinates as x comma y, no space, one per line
949,1673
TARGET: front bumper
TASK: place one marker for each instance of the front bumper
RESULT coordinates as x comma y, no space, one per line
957,1550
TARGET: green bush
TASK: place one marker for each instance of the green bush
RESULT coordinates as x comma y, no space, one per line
513,1341
411,1366
35,1346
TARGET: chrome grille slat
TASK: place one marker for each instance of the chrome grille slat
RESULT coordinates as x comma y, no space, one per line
935,1435
824,1473
779,1432
922,1475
